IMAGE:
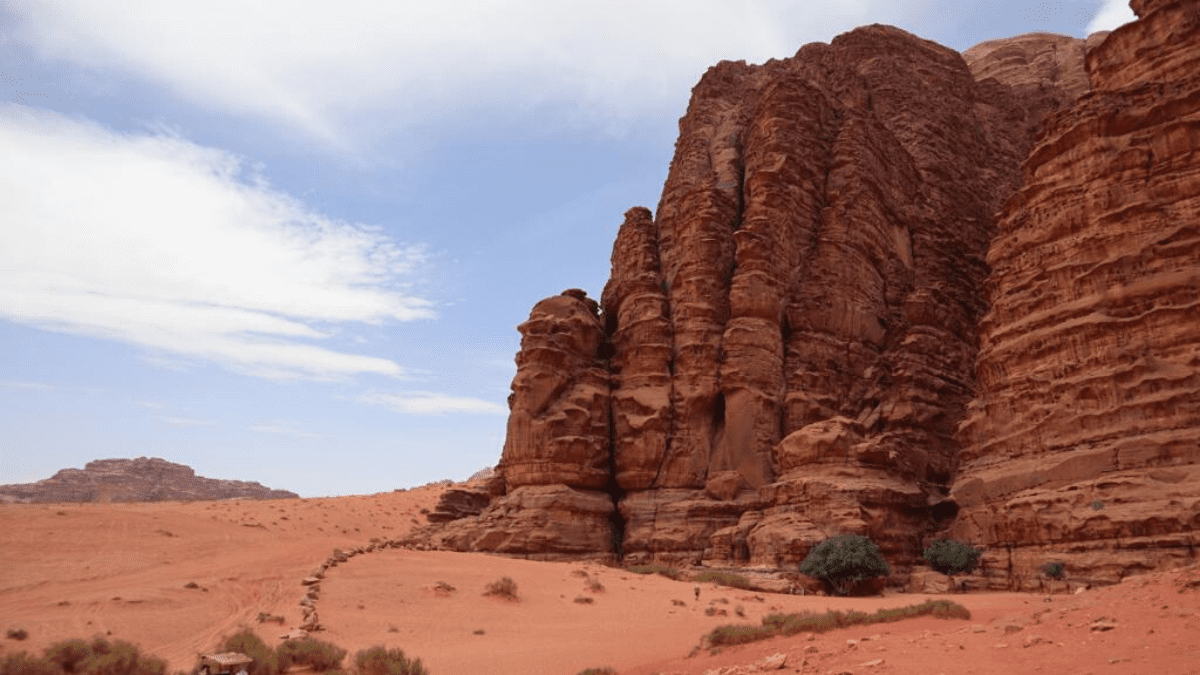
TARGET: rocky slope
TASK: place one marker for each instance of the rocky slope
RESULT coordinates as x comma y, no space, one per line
785,349
1083,442
135,480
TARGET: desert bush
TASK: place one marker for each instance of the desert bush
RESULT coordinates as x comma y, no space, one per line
725,579
656,568
380,660
246,642
595,586
603,670
504,587
98,657
775,625
120,658
68,654
1055,570
23,664
319,655
16,634
584,599
843,561
723,636
952,557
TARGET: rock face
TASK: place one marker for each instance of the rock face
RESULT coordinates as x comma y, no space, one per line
787,346
1083,442
136,480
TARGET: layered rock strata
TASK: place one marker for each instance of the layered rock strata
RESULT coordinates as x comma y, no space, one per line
787,345
1083,442
145,479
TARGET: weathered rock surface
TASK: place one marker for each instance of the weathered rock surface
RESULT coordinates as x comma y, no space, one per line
1083,442
538,522
558,425
136,480
459,502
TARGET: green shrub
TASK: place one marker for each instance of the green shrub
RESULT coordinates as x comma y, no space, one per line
843,561
952,557
320,656
725,579
656,568
504,587
783,625
246,642
1054,570
380,660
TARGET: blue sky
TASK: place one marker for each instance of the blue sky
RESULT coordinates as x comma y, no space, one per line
290,241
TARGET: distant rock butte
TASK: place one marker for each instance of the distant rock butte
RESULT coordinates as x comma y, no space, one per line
790,347
145,479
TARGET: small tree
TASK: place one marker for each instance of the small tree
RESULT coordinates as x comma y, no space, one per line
952,557
843,561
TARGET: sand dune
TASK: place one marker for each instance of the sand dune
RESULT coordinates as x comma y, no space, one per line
122,570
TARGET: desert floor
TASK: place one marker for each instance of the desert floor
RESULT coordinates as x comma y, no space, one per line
121,570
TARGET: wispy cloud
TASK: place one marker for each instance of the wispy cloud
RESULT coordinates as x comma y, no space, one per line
185,421
157,241
432,403
1111,15
283,429
28,386
334,70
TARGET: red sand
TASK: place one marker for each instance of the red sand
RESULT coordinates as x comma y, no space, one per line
121,569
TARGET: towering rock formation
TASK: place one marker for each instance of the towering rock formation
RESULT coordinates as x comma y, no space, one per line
786,348
145,479
825,324
1083,442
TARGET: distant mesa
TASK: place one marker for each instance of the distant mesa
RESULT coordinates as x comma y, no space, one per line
145,479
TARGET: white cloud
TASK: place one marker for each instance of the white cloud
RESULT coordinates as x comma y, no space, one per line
329,67
156,241
282,429
1111,15
432,403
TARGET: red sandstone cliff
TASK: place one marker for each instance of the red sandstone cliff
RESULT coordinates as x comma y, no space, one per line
1083,442
787,346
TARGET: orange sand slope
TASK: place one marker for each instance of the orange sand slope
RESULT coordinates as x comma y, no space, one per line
121,570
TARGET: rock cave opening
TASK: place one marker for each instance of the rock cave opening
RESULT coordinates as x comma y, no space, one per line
943,513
